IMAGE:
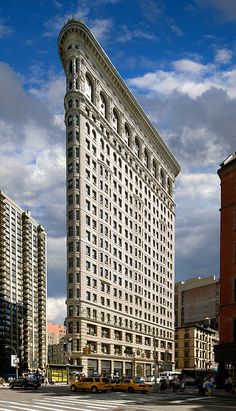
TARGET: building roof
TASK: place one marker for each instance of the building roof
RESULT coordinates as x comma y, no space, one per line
56,328
102,58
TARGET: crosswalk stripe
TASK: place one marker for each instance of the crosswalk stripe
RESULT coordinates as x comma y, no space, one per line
91,403
62,407
88,402
190,399
16,405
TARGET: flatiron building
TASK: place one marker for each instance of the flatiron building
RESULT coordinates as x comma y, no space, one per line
120,219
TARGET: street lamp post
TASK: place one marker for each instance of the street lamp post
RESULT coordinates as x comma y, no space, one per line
155,363
15,360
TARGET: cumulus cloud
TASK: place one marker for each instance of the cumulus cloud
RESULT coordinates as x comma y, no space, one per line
223,56
193,106
56,310
186,77
32,161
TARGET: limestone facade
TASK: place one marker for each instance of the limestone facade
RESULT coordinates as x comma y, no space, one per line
120,218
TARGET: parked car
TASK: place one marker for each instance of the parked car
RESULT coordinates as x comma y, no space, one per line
131,385
93,384
24,383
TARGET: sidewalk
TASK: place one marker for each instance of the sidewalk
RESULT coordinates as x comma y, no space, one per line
221,392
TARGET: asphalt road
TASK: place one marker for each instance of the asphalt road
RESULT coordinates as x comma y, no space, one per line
59,398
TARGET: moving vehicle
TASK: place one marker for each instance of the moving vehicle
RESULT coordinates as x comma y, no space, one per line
93,384
24,383
169,375
131,385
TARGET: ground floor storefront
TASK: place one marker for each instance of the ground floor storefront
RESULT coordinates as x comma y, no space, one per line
116,368
225,355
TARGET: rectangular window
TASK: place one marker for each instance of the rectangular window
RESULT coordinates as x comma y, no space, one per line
235,290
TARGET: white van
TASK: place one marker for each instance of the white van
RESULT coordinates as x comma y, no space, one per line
169,375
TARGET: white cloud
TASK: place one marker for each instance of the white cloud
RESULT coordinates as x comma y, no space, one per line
189,66
101,28
223,56
56,310
32,161
199,190
187,77
5,29
127,34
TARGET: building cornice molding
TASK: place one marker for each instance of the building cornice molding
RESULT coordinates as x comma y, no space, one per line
99,54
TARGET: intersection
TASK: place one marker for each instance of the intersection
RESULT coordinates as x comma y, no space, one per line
59,398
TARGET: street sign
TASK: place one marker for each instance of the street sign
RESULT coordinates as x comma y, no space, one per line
13,360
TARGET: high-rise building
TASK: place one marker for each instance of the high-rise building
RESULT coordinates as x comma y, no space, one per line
226,350
22,288
197,302
120,218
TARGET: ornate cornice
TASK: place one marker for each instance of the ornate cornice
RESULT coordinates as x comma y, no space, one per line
89,40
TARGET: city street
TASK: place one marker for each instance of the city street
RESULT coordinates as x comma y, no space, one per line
59,398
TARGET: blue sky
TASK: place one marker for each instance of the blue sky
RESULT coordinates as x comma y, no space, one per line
177,57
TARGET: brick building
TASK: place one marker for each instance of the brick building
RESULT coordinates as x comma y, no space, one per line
226,350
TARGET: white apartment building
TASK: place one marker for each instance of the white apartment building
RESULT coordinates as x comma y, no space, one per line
22,288
120,218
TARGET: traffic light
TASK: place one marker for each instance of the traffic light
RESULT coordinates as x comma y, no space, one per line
87,350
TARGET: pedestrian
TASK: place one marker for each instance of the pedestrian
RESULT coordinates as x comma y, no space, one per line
204,386
227,384
173,385
230,383
163,385
46,382
182,385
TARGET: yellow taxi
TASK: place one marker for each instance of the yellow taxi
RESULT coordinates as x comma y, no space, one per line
131,385
93,384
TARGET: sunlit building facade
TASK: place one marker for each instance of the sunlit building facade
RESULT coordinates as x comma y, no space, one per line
194,348
22,288
120,218
197,302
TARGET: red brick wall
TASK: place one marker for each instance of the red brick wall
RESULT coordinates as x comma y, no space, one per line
227,251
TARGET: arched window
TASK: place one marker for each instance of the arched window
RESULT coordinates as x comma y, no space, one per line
169,188
136,147
154,168
71,66
102,143
87,128
77,120
88,88
102,105
126,134
162,178
115,120
145,157
70,121
108,149
94,135
76,65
